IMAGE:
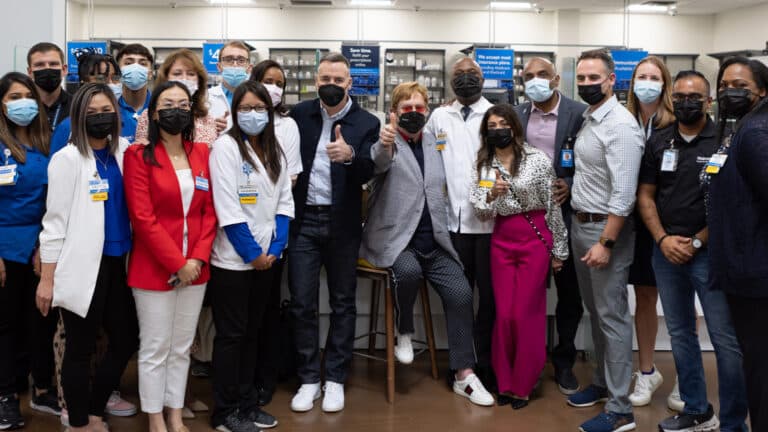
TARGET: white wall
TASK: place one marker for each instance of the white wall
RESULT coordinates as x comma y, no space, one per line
741,29
36,21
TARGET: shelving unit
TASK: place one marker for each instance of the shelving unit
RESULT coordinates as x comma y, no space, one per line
678,62
424,66
300,65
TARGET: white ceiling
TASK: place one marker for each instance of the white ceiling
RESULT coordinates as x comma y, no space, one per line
684,6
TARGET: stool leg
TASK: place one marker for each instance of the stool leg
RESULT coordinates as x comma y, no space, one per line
428,327
373,319
390,343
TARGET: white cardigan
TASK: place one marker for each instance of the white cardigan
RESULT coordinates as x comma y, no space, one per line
73,228
218,105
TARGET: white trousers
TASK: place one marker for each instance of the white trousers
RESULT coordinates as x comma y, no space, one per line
167,323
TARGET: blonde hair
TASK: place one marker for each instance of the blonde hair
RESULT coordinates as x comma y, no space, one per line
200,98
405,90
665,115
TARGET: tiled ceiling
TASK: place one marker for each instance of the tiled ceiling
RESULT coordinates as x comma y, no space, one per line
684,6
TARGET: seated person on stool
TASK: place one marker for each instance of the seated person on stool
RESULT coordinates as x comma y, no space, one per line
410,181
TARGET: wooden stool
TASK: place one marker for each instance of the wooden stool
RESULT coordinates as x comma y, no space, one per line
382,282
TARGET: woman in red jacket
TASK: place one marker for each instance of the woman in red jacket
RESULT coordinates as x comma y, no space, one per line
171,210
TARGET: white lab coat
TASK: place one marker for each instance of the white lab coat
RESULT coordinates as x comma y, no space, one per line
218,105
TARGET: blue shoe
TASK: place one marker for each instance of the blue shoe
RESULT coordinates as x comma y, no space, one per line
609,422
588,397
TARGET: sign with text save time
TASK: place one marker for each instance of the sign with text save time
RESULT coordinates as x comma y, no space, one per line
496,64
364,68
626,61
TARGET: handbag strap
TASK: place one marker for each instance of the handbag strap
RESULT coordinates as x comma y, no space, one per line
528,217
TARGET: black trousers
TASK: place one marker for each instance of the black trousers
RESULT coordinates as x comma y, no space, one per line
113,309
568,313
24,329
238,300
312,248
750,321
475,253
268,362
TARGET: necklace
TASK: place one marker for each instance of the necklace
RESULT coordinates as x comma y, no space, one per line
103,163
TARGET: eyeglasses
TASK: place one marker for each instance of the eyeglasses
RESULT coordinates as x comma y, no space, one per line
184,105
410,108
688,97
236,61
248,108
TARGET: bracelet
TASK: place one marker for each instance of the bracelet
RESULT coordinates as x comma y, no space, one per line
658,243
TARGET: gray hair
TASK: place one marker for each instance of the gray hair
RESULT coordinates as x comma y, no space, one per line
79,111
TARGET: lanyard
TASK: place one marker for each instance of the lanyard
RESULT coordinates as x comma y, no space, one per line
56,117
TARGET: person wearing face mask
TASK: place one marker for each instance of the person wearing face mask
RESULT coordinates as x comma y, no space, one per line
171,209
672,206
271,74
234,66
336,138
46,66
23,163
137,66
513,185
185,67
409,181
650,101
607,154
737,209
457,128
550,123
254,205
83,246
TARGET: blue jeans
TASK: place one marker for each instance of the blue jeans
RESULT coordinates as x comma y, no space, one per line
677,286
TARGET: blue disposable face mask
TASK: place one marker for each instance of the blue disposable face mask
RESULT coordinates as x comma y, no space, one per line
135,76
22,111
647,91
538,90
233,76
252,123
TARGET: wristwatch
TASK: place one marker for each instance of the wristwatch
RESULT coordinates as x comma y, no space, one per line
608,243
696,243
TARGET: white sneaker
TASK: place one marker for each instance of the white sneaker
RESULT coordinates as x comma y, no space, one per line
119,407
674,402
645,385
305,397
472,388
334,397
404,349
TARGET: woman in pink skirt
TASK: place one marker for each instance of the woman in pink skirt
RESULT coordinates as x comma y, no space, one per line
513,184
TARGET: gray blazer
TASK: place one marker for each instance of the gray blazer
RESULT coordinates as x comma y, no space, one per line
397,200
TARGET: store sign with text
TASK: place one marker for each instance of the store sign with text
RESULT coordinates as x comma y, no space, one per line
496,64
77,48
626,61
211,56
364,68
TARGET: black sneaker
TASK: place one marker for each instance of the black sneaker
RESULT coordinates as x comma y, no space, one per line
566,381
47,402
261,418
691,422
235,423
10,413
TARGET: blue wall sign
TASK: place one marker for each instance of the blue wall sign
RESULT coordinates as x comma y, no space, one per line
626,62
496,64
364,68
211,56
76,48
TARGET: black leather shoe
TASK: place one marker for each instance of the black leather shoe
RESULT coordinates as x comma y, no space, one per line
264,396
566,381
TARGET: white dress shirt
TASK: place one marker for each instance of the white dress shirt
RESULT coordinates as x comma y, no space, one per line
462,141
320,187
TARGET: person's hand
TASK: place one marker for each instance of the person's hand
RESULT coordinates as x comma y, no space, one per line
221,122
189,273
338,150
262,262
272,260
500,187
678,250
44,296
560,191
388,132
557,265
2,273
597,256
36,263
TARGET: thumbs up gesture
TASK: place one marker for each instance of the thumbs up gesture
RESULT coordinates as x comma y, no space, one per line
388,132
338,150
221,122
500,186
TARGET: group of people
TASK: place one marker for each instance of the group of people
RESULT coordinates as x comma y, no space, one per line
150,220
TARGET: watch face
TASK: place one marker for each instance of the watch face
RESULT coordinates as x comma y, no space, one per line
697,243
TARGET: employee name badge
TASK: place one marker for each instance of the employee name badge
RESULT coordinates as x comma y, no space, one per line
248,194
566,158
8,175
98,189
201,183
488,178
715,163
669,160
442,140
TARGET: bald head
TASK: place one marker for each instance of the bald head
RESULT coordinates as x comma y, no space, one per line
539,67
467,65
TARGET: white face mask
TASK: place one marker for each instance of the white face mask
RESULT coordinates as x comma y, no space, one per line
276,93
117,89
190,84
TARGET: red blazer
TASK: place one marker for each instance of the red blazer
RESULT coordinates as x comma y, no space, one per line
157,216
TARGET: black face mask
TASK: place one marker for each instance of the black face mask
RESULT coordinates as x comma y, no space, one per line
331,94
100,125
174,120
48,79
688,112
499,138
735,102
412,122
592,94
466,85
